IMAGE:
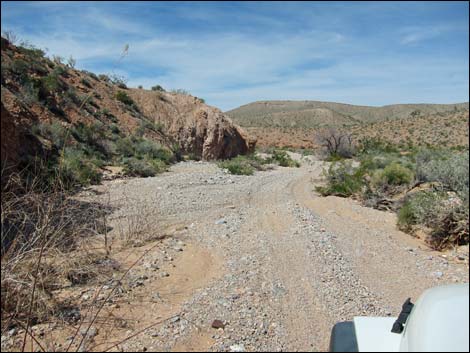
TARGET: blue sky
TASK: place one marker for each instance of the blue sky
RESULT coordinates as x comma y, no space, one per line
232,53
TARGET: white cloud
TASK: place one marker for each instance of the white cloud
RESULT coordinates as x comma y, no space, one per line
230,68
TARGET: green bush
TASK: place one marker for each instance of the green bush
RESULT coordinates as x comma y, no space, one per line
104,77
449,223
421,208
342,180
91,74
20,69
158,88
76,169
149,149
449,170
55,132
124,98
125,147
49,85
374,145
86,83
148,125
239,165
143,167
392,175
283,159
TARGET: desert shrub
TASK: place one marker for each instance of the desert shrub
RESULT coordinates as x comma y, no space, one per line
451,171
91,74
447,220
374,145
239,165
20,69
124,98
120,81
106,114
104,77
342,180
125,147
77,169
60,71
115,129
86,83
152,150
54,132
30,93
41,237
31,51
392,175
283,159
143,167
158,88
148,125
421,208
71,97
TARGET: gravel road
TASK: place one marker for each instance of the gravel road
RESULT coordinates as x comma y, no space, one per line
277,264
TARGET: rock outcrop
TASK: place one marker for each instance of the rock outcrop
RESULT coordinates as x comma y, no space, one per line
199,129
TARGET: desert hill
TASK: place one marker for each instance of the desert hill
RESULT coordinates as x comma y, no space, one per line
294,123
314,114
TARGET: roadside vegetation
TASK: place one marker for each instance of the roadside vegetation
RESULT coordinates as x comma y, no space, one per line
428,187
248,164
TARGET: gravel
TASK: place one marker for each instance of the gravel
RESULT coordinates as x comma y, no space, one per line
287,276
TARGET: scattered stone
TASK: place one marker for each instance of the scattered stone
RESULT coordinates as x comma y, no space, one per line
92,332
221,221
218,324
164,274
237,348
175,319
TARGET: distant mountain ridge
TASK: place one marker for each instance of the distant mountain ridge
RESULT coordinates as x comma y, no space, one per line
311,114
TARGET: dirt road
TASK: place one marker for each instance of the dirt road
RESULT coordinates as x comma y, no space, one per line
267,256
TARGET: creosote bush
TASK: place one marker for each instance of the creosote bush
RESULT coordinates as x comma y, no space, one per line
124,98
342,180
393,174
239,165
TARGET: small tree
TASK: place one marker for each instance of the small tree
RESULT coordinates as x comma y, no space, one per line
335,143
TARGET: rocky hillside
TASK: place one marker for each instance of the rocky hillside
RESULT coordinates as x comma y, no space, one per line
312,114
294,124
47,104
